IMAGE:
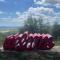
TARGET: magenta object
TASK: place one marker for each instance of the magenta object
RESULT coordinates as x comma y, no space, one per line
28,42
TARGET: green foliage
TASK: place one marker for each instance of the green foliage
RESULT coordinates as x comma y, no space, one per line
38,26
56,30
31,25
35,26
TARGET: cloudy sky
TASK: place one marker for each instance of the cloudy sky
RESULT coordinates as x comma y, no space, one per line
14,12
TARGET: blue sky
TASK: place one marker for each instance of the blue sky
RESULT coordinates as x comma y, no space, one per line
14,12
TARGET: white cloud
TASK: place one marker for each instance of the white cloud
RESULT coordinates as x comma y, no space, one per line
53,1
37,12
40,10
2,0
17,13
11,22
39,1
1,12
57,5
46,1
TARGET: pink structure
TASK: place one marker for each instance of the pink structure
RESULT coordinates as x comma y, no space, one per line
28,41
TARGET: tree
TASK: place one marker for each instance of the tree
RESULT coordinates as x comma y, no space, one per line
31,25
35,25
40,24
56,30
43,28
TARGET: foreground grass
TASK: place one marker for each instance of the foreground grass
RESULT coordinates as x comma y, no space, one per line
29,56
57,43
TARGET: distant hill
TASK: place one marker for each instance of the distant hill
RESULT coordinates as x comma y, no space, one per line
4,29
8,27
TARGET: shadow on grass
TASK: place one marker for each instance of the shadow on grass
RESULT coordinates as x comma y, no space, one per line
29,56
